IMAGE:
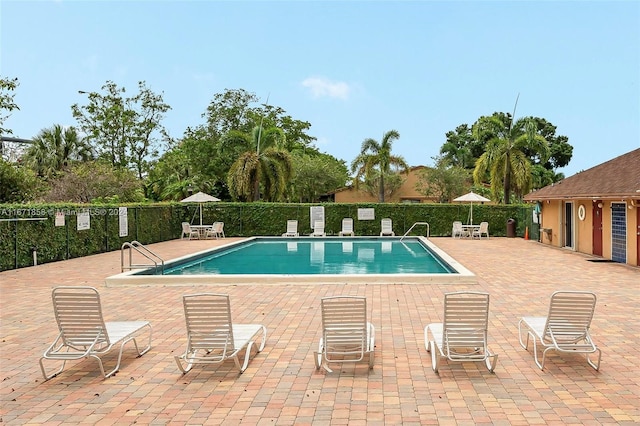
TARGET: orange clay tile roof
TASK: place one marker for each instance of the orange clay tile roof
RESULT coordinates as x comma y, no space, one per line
616,178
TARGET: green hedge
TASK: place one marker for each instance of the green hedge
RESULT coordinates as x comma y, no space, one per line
24,229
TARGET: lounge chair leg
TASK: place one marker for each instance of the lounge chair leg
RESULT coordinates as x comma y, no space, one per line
525,345
596,365
435,356
491,362
544,355
247,355
50,376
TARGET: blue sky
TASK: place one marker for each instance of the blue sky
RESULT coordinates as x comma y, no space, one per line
353,69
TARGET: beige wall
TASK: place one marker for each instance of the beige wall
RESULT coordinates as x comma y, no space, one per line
552,213
551,220
584,228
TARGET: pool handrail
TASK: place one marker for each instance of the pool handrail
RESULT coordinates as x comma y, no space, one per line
413,226
144,251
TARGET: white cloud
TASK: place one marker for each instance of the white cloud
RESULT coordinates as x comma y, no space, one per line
323,87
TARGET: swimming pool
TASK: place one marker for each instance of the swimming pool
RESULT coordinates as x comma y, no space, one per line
317,260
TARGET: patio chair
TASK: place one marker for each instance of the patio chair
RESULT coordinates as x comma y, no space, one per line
458,231
188,231
386,228
347,227
564,329
347,336
462,336
216,231
318,229
292,229
482,230
83,333
212,337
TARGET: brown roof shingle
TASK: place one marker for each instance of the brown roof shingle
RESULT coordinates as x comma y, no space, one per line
616,178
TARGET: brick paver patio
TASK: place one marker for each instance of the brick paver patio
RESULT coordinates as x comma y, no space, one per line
281,385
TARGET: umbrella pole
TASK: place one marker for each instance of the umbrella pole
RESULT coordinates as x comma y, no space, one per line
200,214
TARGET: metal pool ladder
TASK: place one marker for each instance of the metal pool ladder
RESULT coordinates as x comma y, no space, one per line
144,251
413,226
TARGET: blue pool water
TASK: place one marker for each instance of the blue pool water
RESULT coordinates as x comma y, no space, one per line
309,256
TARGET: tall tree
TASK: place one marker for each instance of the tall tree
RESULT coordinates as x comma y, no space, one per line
171,177
54,149
126,130
264,165
376,160
7,104
461,149
315,174
212,148
505,159
444,181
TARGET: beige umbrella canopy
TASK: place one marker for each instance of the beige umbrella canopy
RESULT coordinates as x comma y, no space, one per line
200,198
471,197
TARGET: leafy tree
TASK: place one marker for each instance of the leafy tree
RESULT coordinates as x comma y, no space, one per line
264,165
444,181
376,161
505,159
461,149
392,182
560,152
229,111
18,184
212,148
95,181
126,131
7,104
315,174
54,149
170,178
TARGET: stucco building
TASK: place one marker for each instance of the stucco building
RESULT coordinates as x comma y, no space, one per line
596,211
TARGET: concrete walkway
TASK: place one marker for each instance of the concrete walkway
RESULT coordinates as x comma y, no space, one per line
281,385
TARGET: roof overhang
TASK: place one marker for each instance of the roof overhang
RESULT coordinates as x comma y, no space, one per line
611,197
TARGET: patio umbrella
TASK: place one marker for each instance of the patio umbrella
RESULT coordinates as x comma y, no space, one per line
200,198
470,198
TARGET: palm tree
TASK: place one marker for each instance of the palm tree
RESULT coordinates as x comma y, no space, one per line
375,160
264,163
504,157
54,149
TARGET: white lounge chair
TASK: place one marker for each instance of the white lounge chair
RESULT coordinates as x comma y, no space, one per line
216,231
83,333
347,227
347,336
564,329
188,231
482,230
292,229
212,338
458,231
386,228
462,336
318,229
